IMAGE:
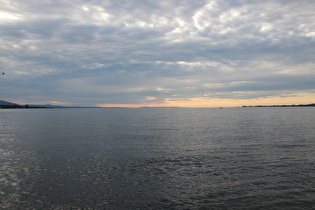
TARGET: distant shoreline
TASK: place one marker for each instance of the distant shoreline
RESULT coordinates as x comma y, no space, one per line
299,105
23,107
9,105
40,107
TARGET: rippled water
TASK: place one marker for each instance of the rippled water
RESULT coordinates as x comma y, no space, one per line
157,158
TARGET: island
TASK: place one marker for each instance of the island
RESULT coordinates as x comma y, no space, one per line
299,105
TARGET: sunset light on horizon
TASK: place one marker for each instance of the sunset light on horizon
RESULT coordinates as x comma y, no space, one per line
213,103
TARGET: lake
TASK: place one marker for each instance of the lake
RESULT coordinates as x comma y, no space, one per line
157,158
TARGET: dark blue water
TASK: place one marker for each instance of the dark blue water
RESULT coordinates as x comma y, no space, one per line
157,158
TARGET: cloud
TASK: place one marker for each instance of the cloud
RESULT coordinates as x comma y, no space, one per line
122,52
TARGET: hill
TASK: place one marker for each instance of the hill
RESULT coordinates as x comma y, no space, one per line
7,103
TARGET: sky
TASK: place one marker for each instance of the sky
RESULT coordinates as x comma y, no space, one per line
134,53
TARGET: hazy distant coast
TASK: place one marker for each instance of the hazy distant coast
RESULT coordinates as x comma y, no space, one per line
299,105
9,105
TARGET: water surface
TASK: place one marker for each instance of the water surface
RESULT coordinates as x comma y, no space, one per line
158,158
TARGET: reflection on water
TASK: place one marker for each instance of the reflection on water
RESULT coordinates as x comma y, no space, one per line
158,158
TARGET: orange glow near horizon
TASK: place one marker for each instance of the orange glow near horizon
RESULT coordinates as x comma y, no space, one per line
131,105
208,102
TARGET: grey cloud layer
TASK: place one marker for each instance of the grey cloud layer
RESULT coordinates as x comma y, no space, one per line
122,51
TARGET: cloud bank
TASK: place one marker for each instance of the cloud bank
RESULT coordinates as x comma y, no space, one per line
158,53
